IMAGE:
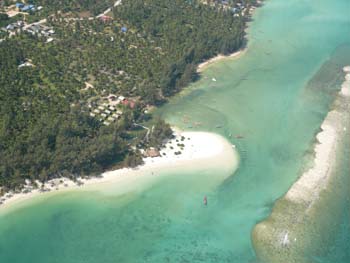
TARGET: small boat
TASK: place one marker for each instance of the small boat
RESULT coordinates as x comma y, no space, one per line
213,79
205,200
239,136
218,126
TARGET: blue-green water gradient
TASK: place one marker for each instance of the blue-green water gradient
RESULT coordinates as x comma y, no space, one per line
272,96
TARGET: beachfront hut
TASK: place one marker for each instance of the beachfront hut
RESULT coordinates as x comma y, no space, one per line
152,152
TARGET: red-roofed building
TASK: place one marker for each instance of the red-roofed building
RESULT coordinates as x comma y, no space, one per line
106,18
129,103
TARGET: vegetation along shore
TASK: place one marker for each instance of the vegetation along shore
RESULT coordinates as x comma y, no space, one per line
79,80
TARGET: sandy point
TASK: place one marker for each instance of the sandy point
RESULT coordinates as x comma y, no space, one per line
187,151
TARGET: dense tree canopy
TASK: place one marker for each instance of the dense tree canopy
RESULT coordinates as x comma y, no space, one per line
147,50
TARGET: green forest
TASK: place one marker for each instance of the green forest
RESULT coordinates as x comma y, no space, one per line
147,50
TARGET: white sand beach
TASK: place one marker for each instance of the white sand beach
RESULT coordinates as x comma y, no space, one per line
205,64
199,150
313,181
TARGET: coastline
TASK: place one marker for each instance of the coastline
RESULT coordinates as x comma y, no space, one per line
285,229
201,150
65,184
202,66
313,181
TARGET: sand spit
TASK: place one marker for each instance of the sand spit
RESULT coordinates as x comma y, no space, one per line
199,150
291,228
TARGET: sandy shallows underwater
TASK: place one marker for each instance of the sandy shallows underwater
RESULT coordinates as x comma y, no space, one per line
304,222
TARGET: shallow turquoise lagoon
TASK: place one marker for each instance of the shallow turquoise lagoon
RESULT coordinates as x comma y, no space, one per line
275,96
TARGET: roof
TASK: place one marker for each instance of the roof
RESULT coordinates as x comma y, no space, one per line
10,27
152,152
27,7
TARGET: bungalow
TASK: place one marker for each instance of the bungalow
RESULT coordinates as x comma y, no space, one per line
10,27
105,18
25,64
112,97
27,8
19,5
129,103
116,116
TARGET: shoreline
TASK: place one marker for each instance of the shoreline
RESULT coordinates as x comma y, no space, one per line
202,66
65,184
201,150
313,181
286,227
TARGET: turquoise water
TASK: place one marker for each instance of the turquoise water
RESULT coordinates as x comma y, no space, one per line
275,96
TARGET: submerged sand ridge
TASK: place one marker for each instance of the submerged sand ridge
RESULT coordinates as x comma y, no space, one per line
291,229
199,150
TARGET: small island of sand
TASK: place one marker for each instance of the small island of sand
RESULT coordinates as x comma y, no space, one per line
286,229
